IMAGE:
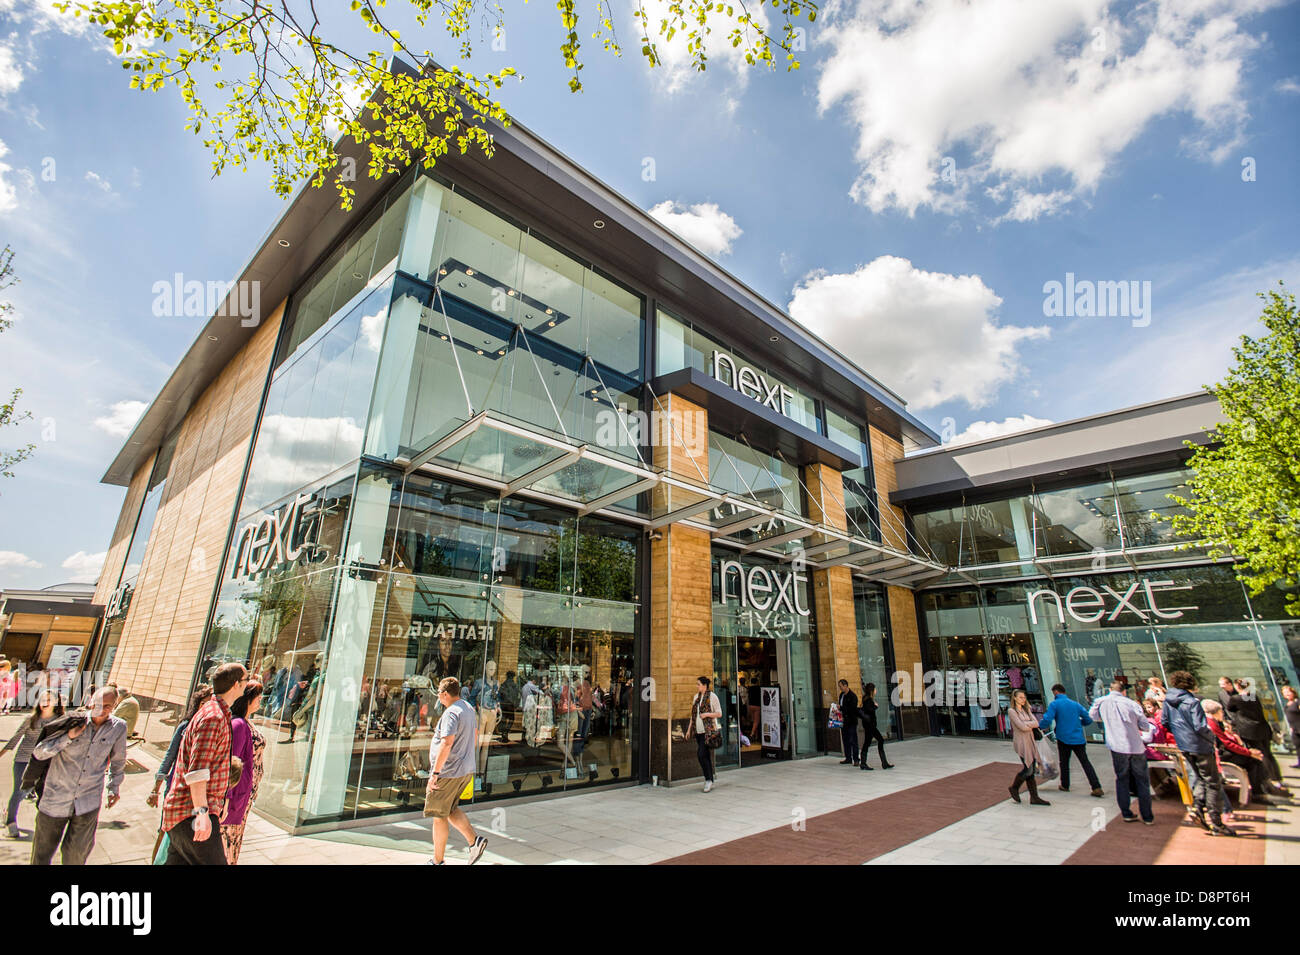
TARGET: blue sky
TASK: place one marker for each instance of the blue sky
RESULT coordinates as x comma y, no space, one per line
907,194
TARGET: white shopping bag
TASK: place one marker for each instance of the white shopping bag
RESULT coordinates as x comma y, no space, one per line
1047,760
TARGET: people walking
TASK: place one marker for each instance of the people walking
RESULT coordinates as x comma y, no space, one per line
162,779
1246,714
1024,726
247,745
705,713
1070,718
1127,733
868,715
47,709
73,789
1292,709
197,797
848,704
451,770
127,710
1185,719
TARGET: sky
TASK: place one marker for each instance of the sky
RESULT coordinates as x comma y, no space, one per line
910,194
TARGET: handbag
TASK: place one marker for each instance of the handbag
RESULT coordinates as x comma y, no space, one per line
712,735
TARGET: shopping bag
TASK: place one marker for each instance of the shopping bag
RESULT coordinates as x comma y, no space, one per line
467,793
837,718
1047,759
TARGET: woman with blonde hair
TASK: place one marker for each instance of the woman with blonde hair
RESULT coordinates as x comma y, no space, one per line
1024,725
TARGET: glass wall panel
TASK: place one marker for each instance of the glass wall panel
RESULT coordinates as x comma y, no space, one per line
875,656
1077,520
1144,507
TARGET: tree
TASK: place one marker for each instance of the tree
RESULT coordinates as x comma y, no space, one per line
9,413
303,88
1244,492
1176,655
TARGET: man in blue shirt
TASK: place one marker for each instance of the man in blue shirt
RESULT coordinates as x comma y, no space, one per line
1070,718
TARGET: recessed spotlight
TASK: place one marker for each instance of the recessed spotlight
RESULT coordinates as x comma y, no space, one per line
283,243
442,271
501,352
443,337
478,351
511,292
462,285
212,338
551,324
599,223
357,275
469,271
774,338
550,311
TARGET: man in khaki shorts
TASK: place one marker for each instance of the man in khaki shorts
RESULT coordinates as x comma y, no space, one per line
451,769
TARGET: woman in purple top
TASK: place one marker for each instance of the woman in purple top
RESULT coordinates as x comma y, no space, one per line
246,743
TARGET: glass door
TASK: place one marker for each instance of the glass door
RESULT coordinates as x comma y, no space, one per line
803,698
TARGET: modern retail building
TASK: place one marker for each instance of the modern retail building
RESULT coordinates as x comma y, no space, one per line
499,423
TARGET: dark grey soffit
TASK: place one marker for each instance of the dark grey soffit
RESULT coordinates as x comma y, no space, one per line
1128,440
529,179
53,608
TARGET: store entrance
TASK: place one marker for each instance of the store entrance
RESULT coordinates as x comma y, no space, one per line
766,686
764,727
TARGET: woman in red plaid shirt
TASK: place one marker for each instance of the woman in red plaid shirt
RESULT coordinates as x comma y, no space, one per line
197,798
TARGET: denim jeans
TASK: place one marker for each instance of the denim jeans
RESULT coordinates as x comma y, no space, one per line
705,756
1131,779
1207,784
16,798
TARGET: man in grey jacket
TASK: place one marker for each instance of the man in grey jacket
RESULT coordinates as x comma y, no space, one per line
68,810
1184,717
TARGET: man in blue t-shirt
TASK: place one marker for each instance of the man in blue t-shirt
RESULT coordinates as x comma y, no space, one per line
451,771
1070,718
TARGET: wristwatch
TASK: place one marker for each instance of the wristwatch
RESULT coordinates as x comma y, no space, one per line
200,811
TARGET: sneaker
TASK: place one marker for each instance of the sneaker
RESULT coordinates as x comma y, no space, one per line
1098,792
477,849
432,861
1148,822
708,785
1221,830
12,829
1130,818
846,762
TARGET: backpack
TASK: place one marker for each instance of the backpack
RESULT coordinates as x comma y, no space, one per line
34,774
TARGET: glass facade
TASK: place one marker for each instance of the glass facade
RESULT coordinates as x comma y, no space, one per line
355,581
1066,529
1085,631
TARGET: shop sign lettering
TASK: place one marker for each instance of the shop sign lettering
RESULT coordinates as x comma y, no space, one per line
750,383
764,588
270,541
437,630
1090,604
118,601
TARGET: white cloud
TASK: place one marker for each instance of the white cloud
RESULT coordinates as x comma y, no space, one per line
675,58
8,194
85,567
932,336
11,559
11,74
1017,91
99,182
703,225
1289,85
1028,206
121,418
983,430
